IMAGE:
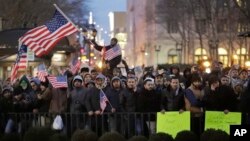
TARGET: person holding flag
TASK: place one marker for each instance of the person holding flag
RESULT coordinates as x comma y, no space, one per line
96,100
96,104
112,54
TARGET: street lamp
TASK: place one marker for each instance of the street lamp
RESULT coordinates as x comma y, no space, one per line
157,49
213,44
89,34
179,51
143,54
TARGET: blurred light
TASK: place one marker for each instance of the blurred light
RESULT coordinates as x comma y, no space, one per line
100,64
58,57
204,57
206,64
84,58
95,58
9,68
207,70
82,51
92,54
235,56
146,53
247,63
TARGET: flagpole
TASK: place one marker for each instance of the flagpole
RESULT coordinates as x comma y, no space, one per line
66,17
69,20
108,100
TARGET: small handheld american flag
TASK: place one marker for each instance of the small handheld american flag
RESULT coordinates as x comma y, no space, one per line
42,72
75,65
58,81
103,100
112,52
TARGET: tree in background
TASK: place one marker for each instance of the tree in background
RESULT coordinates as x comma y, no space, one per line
30,13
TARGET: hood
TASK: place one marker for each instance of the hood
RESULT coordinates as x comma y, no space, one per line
78,77
113,79
7,88
101,76
36,81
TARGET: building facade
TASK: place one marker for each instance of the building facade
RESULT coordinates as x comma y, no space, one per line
185,32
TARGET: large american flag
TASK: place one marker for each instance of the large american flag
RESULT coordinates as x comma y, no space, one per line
103,100
58,81
42,72
75,65
21,62
112,52
43,38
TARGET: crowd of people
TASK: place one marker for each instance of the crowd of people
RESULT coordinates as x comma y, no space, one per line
154,91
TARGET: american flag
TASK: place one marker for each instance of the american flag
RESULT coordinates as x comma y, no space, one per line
42,72
103,100
75,65
43,38
113,52
21,62
58,81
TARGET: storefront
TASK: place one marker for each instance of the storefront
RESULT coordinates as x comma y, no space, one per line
8,50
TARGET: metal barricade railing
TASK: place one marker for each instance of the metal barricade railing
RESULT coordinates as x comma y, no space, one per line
128,124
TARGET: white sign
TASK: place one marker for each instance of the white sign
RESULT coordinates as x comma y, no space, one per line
30,55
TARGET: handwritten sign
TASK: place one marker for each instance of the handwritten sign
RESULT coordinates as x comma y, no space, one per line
220,120
173,122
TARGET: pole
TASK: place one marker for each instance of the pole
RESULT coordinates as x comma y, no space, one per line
89,55
57,8
108,100
157,56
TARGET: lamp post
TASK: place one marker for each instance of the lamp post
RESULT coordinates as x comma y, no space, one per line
179,50
143,54
89,34
157,49
213,44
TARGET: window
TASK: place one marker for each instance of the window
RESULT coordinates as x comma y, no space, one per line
243,26
241,56
200,54
223,56
172,57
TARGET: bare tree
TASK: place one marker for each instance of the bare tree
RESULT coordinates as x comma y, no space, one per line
30,13
174,17
243,6
211,22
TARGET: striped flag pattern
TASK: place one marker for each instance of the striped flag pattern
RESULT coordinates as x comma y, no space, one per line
75,65
113,52
103,100
58,81
42,72
21,62
43,38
